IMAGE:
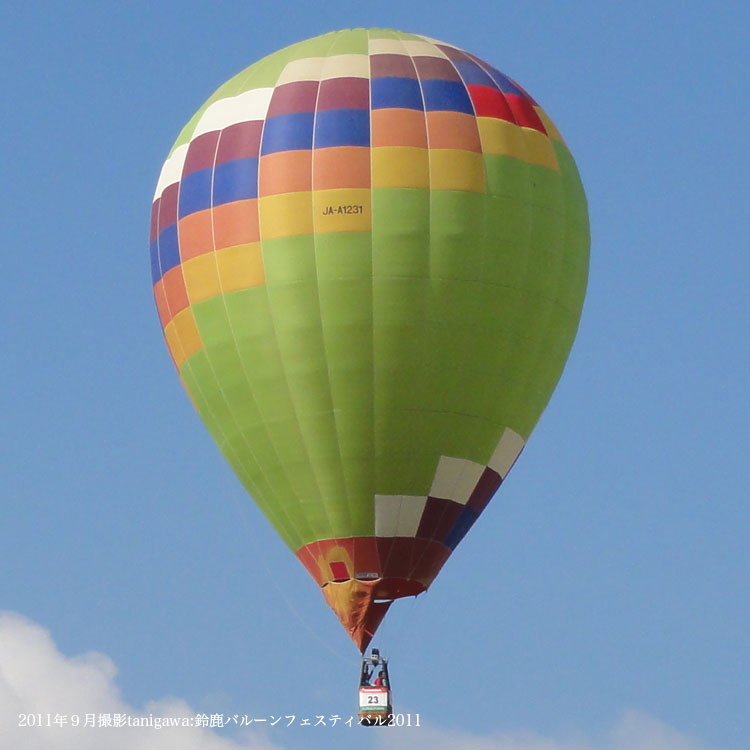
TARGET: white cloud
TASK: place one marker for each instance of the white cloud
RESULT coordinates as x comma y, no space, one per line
35,678
634,731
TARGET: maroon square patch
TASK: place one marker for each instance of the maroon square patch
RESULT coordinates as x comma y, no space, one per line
339,571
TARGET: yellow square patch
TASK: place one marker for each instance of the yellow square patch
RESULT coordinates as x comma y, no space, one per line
182,337
285,215
456,170
241,267
201,277
400,166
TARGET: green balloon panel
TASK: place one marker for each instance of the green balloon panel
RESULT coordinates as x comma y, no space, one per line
369,253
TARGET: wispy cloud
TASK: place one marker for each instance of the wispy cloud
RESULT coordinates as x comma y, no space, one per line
634,731
36,679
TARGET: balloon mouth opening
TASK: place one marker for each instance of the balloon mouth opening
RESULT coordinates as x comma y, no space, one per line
377,590
361,605
360,577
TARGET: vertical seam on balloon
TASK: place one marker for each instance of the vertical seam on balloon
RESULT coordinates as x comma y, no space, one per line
476,125
382,562
414,563
317,288
373,457
524,162
484,165
374,418
274,510
301,517
484,171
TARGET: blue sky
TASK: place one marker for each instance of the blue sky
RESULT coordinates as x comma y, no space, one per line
602,602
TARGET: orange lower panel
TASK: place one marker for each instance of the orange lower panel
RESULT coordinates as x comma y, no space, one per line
358,573
354,603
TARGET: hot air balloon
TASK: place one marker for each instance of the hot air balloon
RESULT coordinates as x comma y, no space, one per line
369,255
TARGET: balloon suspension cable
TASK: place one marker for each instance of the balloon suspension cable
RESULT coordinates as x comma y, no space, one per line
242,510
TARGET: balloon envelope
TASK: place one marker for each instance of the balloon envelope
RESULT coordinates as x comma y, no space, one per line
369,254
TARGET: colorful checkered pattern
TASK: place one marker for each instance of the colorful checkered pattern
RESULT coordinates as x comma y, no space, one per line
369,253
266,162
